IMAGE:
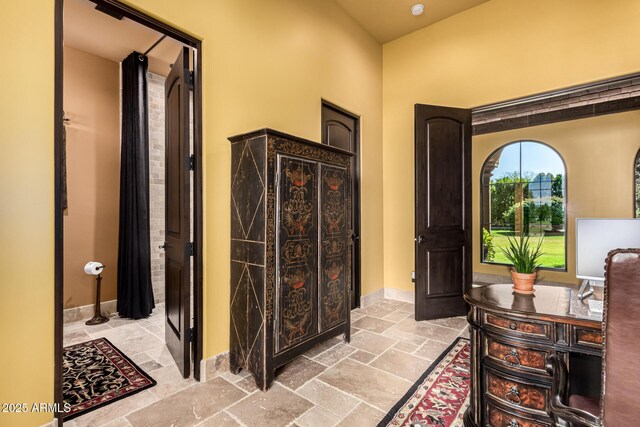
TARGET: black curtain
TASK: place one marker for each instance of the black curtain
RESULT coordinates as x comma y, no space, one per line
135,292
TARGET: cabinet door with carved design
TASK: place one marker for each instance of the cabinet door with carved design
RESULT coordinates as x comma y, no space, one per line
297,243
335,258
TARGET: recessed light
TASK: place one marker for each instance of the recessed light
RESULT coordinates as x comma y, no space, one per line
417,9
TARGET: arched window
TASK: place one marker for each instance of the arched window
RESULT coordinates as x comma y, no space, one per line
523,194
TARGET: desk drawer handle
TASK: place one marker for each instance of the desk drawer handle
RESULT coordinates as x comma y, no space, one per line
513,395
512,326
512,358
514,423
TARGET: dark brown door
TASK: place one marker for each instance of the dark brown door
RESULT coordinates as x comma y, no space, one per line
443,210
341,129
177,215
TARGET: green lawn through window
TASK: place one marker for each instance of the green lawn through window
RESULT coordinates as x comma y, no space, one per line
553,248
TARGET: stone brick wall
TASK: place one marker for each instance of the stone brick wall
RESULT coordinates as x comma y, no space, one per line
155,95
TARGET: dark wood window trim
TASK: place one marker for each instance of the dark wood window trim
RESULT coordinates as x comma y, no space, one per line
198,207
609,96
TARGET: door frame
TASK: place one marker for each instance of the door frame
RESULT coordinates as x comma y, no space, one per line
166,29
355,197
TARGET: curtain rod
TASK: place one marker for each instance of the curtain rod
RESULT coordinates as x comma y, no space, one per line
154,45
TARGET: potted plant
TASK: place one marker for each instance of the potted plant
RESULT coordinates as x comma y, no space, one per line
524,256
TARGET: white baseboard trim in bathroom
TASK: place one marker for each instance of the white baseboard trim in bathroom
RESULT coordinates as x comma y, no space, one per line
86,312
367,300
214,366
400,295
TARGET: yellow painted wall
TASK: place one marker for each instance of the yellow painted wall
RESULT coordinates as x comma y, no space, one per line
499,50
26,211
92,103
266,63
599,155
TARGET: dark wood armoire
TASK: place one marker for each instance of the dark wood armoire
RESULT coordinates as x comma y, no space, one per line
290,249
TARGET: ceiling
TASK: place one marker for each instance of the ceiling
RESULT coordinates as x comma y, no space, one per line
387,20
94,32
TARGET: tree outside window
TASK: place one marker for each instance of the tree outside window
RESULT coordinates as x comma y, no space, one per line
523,194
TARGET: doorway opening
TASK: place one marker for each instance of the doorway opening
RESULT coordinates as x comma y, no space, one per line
341,129
128,189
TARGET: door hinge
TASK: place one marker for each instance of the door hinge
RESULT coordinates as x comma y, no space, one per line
192,162
190,248
190,334
191,79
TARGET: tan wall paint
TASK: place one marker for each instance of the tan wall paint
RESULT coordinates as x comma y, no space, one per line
499,50
92,102
265,64
599,154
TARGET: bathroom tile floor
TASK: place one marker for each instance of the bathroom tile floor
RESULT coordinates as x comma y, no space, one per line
333,384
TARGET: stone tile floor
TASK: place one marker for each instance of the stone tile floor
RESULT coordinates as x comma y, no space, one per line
334,384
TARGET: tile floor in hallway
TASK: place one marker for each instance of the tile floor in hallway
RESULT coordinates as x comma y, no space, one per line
335,383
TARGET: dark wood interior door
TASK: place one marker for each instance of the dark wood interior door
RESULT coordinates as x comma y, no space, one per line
342,130
443,210
177,215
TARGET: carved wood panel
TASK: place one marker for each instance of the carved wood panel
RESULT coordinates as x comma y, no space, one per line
334,249
588,337
520,328
500,418
517,357
297,243
517,393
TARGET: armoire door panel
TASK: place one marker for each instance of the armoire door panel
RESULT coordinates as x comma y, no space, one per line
334,226
297,240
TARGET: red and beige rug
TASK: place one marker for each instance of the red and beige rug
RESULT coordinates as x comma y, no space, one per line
95,373
440,396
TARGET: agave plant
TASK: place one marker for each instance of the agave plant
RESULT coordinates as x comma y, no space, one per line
523,254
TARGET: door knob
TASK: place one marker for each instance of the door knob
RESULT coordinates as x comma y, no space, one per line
421,239
164,246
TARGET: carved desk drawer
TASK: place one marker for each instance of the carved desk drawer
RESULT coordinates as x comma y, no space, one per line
586,337
516,357
516,392
497,417
520,328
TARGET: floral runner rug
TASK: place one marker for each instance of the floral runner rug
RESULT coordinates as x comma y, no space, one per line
440,396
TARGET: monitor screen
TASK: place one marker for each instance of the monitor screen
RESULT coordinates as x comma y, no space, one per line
596,237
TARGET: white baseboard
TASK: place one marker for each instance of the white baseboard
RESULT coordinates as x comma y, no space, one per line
86,312
387,293
400,295
367,300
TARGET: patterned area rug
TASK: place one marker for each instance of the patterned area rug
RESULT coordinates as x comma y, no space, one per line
440,396
95,373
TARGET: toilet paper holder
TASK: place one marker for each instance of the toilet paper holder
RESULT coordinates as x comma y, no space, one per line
95,269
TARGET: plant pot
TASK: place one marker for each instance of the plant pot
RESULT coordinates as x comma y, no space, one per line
523,283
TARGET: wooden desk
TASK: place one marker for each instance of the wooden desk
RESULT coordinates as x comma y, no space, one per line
511,337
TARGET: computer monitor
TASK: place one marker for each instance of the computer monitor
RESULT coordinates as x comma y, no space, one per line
595,237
